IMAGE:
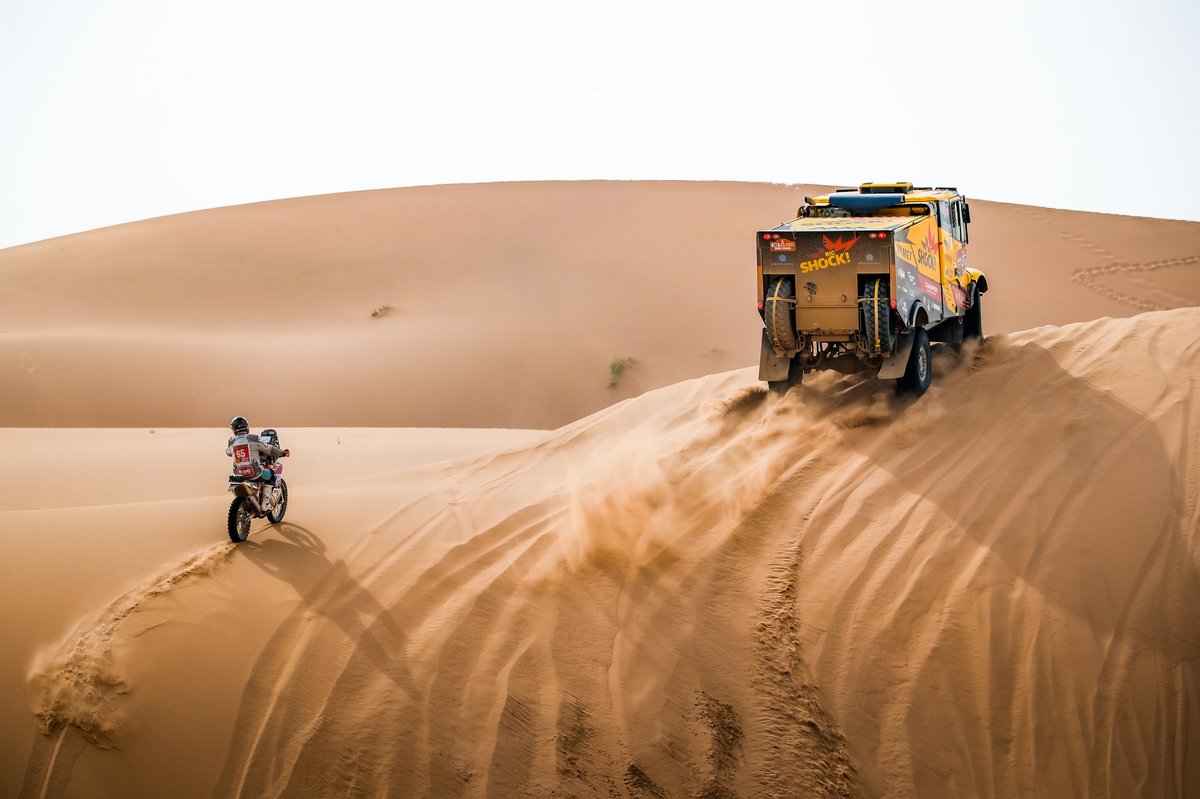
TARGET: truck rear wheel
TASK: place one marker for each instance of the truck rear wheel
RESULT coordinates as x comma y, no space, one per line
779,313
877,316
919,373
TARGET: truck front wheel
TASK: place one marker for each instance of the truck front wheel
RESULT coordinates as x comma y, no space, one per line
919,373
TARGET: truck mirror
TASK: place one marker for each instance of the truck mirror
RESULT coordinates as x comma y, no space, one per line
966,213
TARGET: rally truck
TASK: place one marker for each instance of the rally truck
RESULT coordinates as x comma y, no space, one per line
867,278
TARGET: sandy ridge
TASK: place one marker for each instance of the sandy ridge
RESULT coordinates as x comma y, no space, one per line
488,629
508,303
700,590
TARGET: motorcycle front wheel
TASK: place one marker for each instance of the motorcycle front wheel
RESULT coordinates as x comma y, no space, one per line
276,515
240,517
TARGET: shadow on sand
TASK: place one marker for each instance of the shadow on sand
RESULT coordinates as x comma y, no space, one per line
267,713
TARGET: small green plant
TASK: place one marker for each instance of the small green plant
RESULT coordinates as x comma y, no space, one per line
380,311
617,368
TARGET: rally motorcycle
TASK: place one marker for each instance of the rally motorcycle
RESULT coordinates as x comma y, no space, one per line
253,498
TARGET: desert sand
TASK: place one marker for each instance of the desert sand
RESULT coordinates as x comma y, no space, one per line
499,576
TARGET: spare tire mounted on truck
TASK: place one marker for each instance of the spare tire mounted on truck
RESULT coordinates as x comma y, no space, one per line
867,278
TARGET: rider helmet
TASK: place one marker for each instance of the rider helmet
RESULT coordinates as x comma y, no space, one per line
239,425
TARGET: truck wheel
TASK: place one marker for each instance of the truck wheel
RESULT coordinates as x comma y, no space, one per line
795,376
779,313
876,315
973,319
919,373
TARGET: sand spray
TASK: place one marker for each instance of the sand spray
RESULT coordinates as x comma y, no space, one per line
78,681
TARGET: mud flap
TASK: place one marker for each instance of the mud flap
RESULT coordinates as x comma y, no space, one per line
772,366
897,362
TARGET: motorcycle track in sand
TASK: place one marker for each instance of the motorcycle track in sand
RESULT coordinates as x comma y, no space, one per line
520,573
712,592
1150,297
1139,292
80,682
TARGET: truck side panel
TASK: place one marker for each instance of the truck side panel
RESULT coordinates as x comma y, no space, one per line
918,270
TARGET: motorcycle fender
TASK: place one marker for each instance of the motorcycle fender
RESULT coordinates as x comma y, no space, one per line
895,364
771,366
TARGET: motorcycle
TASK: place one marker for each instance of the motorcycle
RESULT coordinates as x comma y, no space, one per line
253,498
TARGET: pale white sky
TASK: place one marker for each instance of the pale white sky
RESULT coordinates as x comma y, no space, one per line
115,110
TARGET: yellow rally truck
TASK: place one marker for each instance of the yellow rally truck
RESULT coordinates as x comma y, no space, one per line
867,278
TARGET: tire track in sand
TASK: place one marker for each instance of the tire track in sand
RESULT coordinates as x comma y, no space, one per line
1172,562
806,753
1090,277
80,681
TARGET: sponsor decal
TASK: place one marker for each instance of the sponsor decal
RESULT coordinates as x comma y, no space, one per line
930,242
931,288
783,245
836,253
839,245
927,255
830,259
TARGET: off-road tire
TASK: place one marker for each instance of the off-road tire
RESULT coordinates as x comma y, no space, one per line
877,316
973,319
794,378
276,516
779,313
919,372
240,519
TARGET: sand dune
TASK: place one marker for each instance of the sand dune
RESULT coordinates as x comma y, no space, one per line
499,305
686,588
705,591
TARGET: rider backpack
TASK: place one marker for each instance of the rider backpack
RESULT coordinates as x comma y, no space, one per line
242,465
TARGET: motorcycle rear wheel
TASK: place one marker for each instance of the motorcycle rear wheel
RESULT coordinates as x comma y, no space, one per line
276,516
240,517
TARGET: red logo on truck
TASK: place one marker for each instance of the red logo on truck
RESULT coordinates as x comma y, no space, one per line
839,245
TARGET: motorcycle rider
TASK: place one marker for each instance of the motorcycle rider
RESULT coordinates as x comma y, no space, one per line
248,452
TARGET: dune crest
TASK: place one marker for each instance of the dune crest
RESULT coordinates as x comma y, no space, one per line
698,590
79,683
835,592
421,302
